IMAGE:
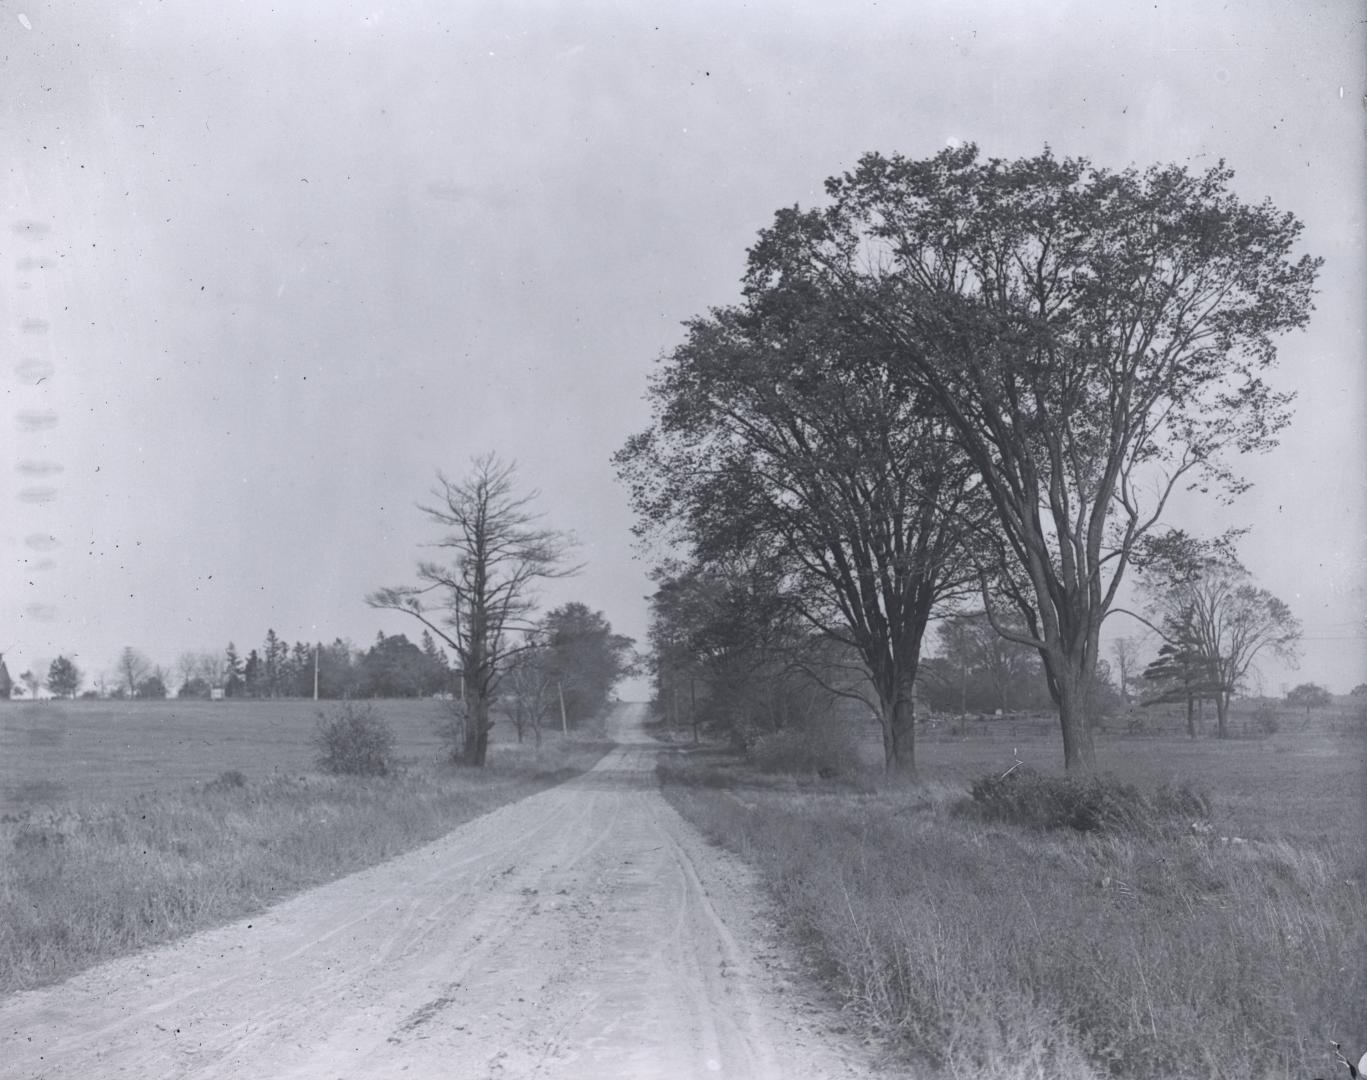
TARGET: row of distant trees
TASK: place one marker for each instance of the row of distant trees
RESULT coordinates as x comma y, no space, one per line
573,652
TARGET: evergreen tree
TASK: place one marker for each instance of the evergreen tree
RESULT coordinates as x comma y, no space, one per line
253,675
437,676
300,677
232,672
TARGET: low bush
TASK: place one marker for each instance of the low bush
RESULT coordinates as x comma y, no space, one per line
819,747
354,740
1027,797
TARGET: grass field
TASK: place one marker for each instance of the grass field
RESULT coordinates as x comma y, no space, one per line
975,948
130,824
57,752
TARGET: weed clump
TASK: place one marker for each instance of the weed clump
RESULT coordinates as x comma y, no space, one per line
1027,797
354,740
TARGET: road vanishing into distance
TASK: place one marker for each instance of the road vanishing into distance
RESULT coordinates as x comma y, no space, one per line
585,932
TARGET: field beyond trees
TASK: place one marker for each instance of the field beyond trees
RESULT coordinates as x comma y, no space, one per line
977,947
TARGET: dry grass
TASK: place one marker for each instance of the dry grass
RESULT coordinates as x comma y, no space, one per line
986,949
82,881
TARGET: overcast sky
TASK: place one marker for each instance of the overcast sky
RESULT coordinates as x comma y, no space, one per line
268,265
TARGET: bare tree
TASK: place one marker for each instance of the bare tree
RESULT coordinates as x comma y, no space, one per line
496,554
1231,622
212,667
133,667
1124,650
531,684
187,667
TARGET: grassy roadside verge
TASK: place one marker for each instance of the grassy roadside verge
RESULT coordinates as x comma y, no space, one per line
89,882
978,948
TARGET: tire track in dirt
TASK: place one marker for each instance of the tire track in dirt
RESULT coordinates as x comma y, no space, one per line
586,931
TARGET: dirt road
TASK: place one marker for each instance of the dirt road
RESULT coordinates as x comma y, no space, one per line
587,932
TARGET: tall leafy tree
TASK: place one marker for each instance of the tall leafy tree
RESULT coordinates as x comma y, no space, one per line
64,677
1094,338
772,438
497,552
394,667
1311,695
584,658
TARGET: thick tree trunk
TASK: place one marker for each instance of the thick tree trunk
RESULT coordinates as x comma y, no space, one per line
1070,692
1222,715
1191,716
897,717
476,714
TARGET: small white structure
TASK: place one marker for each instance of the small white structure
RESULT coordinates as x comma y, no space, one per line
215,693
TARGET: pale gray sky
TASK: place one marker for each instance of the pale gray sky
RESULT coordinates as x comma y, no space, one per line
269,265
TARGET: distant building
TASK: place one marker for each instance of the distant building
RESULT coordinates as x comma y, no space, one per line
215,693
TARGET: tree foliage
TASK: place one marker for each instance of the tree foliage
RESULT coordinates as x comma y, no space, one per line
1311,695
64,678
729,654
771,440
1094,339
584,659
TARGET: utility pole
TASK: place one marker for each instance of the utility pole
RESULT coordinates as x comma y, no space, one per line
564,721
318,648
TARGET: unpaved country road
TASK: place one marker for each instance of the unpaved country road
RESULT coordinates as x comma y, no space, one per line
585,932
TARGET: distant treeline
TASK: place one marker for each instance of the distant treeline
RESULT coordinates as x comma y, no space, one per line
392,667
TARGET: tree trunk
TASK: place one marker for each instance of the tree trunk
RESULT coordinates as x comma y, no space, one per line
1222,714
1070,689
1191,717
897,718
475,711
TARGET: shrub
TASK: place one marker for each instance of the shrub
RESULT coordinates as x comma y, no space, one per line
354,739
820,747
1098,804
230,778
1265,718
